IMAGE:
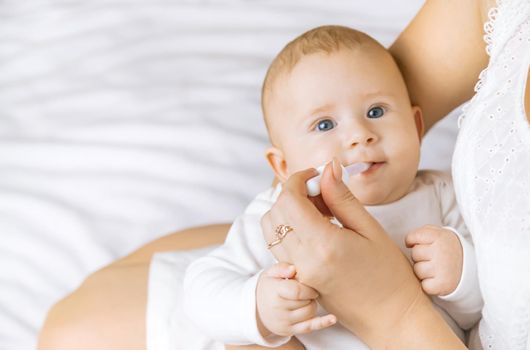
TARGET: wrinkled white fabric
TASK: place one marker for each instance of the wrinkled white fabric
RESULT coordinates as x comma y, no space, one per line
124,120
491,171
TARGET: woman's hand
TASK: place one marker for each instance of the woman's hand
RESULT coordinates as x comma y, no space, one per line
361,275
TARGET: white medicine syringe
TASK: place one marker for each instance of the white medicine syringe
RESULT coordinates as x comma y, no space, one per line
313,184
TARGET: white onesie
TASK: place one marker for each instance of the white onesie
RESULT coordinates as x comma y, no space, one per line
219,289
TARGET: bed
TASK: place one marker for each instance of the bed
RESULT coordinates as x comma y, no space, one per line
122,121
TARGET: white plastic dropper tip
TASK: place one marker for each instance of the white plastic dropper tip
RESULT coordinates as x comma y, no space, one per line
357,168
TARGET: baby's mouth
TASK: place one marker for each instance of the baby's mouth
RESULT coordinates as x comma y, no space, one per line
363,168
357,168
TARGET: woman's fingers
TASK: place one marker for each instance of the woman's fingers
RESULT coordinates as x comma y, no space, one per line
296,183
319,203
294,209
268,229
343,204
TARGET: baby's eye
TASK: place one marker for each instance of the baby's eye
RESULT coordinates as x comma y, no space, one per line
376,112
325,125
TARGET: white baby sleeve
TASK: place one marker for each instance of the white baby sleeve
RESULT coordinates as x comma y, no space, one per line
465,303
220,288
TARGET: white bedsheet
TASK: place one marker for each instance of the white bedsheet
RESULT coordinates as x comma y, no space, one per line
121,121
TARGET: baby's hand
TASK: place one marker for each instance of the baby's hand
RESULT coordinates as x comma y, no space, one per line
437,256
285,306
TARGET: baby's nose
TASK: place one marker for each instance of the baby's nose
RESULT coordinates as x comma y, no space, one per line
366,140
363,137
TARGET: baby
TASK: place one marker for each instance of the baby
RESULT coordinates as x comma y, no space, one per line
336,92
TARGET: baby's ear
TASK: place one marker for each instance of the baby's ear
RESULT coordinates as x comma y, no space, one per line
277,162
418,119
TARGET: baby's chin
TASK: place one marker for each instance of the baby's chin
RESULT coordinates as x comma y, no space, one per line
373,196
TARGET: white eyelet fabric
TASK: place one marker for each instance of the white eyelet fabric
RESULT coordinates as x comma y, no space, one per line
491,170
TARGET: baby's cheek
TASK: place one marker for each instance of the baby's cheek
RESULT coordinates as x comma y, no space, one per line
302,159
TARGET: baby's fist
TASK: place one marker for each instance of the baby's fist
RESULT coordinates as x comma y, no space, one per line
285,306
437,256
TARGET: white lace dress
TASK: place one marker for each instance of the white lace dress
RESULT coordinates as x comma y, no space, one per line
491,170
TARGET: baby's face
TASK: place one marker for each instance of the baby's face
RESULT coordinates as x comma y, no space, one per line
353,105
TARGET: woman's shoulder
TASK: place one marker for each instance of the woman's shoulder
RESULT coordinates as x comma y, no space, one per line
485,6
441,53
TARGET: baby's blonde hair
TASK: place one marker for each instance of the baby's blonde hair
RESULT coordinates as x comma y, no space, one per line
324,39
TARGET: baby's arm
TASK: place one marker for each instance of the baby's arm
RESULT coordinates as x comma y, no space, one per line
444,261
220,288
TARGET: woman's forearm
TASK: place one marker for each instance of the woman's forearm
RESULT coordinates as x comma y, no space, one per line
293,344
421,327
407,320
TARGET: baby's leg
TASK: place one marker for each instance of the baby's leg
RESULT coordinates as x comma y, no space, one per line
107,312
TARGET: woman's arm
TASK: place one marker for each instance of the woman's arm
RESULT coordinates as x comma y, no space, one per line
108,310
421,327
441,54
293,344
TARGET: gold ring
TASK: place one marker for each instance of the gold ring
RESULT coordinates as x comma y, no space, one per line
281,231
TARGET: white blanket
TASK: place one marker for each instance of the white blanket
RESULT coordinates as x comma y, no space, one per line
121,121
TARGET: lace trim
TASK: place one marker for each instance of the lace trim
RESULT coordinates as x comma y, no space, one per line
513,11
489,29
489,26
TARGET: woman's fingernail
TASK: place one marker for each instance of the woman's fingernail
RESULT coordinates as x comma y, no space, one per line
337,171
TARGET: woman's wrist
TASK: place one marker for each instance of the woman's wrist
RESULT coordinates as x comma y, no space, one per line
408,320
421,327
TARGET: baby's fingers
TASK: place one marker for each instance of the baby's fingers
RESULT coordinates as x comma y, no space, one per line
303,320
294,290
314,324
424,269
421,252
424,235
281,270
